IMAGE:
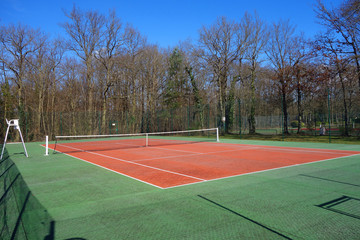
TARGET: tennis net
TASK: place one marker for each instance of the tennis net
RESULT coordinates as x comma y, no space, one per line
123,141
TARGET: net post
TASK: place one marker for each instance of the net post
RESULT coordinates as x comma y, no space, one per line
147,139
329,115
217,135
46,145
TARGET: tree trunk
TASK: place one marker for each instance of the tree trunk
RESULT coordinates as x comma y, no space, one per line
90,88
230,105
284,106
252,127
221,100
299,104
299,109
346,130
103,114
104,102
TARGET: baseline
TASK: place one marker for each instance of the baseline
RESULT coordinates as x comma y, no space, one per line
134,163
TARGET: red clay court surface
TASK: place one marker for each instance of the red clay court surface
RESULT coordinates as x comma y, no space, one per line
181,164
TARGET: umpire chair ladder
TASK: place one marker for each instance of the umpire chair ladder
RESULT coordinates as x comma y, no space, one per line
13,123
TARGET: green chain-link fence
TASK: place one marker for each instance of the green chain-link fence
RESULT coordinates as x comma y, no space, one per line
189,117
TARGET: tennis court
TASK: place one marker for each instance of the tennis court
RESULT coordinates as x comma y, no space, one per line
61,197
173,162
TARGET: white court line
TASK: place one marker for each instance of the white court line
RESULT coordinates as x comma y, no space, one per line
238,148
306,151
287,149
295,149
266,170
139,164
174,150
260,147
177,150
194,154
110,170
97,143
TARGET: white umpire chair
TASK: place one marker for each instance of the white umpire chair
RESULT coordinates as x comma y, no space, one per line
13,123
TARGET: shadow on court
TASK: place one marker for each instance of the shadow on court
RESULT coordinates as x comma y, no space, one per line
75,239
345,205
22,216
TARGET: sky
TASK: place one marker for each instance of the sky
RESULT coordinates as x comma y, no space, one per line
163,22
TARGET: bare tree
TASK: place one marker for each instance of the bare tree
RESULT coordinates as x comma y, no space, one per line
85,30
344,21
18,43
339,64
134,45
300,55
257,41
113,39
153,79
222,44
71,91
197,81
39,71
280,52
6,97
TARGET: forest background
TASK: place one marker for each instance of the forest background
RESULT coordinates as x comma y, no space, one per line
104,77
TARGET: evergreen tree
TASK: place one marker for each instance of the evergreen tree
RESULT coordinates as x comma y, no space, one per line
176,87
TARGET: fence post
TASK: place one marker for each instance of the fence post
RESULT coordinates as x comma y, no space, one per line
99,122
172,120
239,102
282,117
329,115
127,121
158,121
188,108
61,128
208,118
315,122
26,127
